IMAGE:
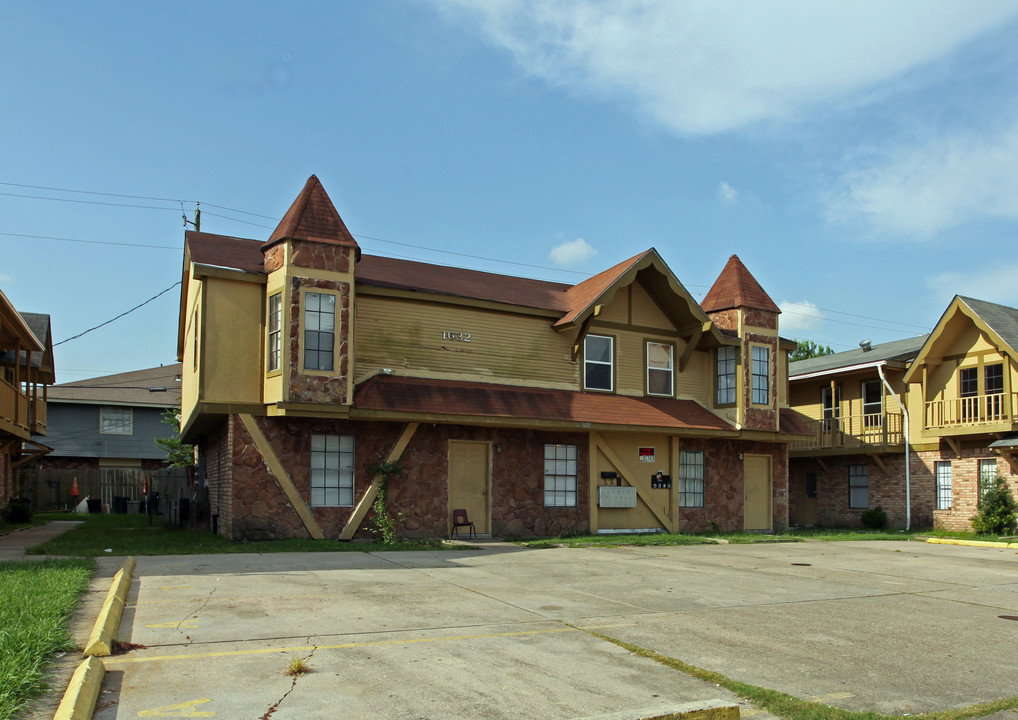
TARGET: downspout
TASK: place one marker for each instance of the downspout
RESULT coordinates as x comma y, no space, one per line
904,414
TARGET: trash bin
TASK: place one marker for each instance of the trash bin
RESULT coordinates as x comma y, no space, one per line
95,506
120,505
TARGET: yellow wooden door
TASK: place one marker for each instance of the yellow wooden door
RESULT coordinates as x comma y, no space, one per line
469,477
756,492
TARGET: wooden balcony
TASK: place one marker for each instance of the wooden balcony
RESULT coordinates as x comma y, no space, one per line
14,405
976,412
862,433
38,418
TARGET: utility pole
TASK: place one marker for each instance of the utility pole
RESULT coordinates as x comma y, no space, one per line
196,224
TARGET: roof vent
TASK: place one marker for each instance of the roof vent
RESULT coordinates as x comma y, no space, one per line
865,345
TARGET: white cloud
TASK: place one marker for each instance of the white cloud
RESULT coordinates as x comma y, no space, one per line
727,193
801,317
996,284
572,253
702,66
932,185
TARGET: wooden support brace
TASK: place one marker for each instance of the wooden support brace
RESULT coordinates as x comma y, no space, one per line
630,477
694,340
361,511
282,477
880,464
823,466
1009,458
954,445
578,342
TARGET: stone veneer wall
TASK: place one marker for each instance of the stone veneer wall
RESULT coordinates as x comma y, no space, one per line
759,418
723,484
886,491
260,510
321,255
320,388
760,318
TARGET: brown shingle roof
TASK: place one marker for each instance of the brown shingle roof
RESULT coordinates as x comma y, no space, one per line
313,216
794,422
579,297
392,393
129,388
225,251
736,287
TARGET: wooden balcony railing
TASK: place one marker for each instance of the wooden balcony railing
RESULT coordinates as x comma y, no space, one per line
972,411
38,422
854,431
13,405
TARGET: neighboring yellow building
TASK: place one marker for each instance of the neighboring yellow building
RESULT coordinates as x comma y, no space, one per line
950,395
616,404
26,357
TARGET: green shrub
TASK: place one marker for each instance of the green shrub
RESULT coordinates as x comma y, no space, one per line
998,512
874,518
18,511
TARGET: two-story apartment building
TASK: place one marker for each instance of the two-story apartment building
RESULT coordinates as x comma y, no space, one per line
619,403
26,359
918,427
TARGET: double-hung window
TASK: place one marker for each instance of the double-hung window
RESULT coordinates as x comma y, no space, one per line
116,420
560,475
275,331
599,362
987,477
831,403
761,380
332,470
319,330
942,471
691,479
858,486
725,374
660,371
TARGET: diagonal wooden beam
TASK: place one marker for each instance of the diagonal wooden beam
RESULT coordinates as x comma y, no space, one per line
823,465
954,445
880,464
361,511
1009,458
282,477
578,342
694,340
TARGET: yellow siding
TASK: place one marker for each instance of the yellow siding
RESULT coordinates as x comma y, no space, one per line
646,313
190,379
233,342
404,335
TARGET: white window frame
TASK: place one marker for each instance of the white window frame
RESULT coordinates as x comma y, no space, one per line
601,363
330,477
123,425
757,389
872,412
858,491
942,476
274,327
725,367
670,369
987,476
560,475
691,479
315,328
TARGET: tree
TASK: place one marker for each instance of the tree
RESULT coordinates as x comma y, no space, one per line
806,349
178,454
996,511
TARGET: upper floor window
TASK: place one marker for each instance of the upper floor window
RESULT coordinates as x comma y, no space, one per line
116,420
659,369
319,330
725,375
761,375
599,362
968,382
993,379
872,403
274,327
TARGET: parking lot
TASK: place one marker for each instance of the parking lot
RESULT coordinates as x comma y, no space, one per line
499,632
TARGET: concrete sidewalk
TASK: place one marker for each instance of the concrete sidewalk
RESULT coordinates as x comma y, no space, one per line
13,545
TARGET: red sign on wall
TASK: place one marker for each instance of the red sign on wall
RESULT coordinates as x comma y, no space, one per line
647,454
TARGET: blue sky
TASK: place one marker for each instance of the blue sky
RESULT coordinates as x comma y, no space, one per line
861,158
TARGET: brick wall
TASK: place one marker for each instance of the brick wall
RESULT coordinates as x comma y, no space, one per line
216,449
965,484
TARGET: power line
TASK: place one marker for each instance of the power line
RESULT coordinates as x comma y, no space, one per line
93,192
90,242
127,312
87,202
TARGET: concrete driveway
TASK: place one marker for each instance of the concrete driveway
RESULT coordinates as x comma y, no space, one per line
493,633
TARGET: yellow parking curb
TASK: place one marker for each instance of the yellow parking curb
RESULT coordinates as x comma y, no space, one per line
972,543
82,691
100,642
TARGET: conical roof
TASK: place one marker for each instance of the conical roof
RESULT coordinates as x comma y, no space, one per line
312,216
736,287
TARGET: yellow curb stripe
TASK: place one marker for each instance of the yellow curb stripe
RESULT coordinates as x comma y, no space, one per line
341,646
972,543
100,642
83,690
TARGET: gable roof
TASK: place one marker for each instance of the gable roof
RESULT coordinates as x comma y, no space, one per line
156,387
998,322
736,287
897,351
312,216
225,251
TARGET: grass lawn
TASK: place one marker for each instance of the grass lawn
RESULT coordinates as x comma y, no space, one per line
36,600
132,535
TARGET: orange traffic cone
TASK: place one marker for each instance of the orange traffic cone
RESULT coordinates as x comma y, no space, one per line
74,487
144,486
